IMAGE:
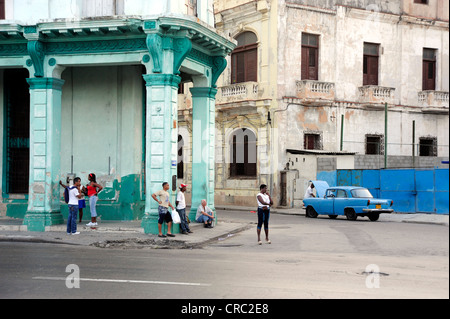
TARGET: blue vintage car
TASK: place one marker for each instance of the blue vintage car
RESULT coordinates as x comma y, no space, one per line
350,201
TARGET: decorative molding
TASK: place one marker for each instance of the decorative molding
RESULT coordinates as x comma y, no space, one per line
181,48
45,84
36,50
203,92
154,46
162,80
104,46
218,66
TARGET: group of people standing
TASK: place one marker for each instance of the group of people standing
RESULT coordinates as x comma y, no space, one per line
77,202
205,215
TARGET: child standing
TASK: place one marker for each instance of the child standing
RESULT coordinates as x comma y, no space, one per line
92,190
74,196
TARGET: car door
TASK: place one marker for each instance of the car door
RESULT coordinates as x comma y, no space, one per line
340,202
328,203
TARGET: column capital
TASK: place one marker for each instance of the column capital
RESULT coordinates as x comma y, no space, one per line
162,80
45,84
204,92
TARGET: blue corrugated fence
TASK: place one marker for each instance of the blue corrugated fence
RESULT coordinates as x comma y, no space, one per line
412,190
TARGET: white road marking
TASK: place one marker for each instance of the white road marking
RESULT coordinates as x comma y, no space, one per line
129,281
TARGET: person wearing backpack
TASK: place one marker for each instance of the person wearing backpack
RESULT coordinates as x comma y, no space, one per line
81,201
74,194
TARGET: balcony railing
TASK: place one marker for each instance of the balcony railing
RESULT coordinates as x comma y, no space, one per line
376,95
316,92
238,92
433,99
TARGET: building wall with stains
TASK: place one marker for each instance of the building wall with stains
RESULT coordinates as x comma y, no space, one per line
343,29
402,29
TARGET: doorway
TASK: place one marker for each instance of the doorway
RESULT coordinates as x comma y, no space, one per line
16,132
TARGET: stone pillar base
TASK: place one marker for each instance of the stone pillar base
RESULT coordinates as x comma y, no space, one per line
150,225
38,221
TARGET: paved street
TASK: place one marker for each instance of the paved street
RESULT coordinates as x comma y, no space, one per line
308,258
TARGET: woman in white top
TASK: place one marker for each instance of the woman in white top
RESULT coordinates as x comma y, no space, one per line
264,203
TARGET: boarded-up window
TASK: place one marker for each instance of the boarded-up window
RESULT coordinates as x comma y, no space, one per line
429,70
244,59
2,9
310,57
243,154
371,60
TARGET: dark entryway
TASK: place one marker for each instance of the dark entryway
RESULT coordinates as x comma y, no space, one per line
16,132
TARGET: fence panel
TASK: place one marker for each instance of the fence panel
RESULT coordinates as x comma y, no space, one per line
412,190
442,191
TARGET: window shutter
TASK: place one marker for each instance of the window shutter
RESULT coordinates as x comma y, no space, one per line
305,73
429,69
251,63
2,9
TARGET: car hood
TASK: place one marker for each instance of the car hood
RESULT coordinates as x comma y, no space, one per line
321,188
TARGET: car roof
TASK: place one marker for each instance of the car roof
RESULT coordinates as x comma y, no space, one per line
322,186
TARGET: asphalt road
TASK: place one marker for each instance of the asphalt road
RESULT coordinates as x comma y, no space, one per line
308,258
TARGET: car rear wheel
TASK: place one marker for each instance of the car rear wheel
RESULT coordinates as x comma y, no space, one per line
351,215
374,216
311,212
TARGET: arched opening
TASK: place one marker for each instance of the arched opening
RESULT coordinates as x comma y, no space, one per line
243,153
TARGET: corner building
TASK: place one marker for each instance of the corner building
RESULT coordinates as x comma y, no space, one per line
92,86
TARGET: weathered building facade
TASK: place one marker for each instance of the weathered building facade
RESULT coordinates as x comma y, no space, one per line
323,85
92,86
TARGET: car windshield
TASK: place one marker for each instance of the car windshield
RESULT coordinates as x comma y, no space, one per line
361,193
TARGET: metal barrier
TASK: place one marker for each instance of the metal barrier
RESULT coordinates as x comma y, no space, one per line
412,190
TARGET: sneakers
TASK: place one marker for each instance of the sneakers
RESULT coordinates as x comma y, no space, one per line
91,224
77,233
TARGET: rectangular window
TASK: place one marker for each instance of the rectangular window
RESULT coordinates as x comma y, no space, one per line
429,70
428,146
310,57
2,9
245,64
374,145
312,142
421,1
371,60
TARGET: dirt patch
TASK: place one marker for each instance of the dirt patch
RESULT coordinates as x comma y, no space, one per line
151,243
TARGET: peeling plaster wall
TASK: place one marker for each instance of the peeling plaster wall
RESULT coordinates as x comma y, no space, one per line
102,112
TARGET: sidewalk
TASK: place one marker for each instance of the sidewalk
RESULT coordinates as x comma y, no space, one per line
118,234
130,234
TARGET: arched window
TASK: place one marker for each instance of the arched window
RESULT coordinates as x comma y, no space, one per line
244,59
243,154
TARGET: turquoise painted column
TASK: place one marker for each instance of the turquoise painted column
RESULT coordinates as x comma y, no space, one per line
203,147
45,154
161,142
